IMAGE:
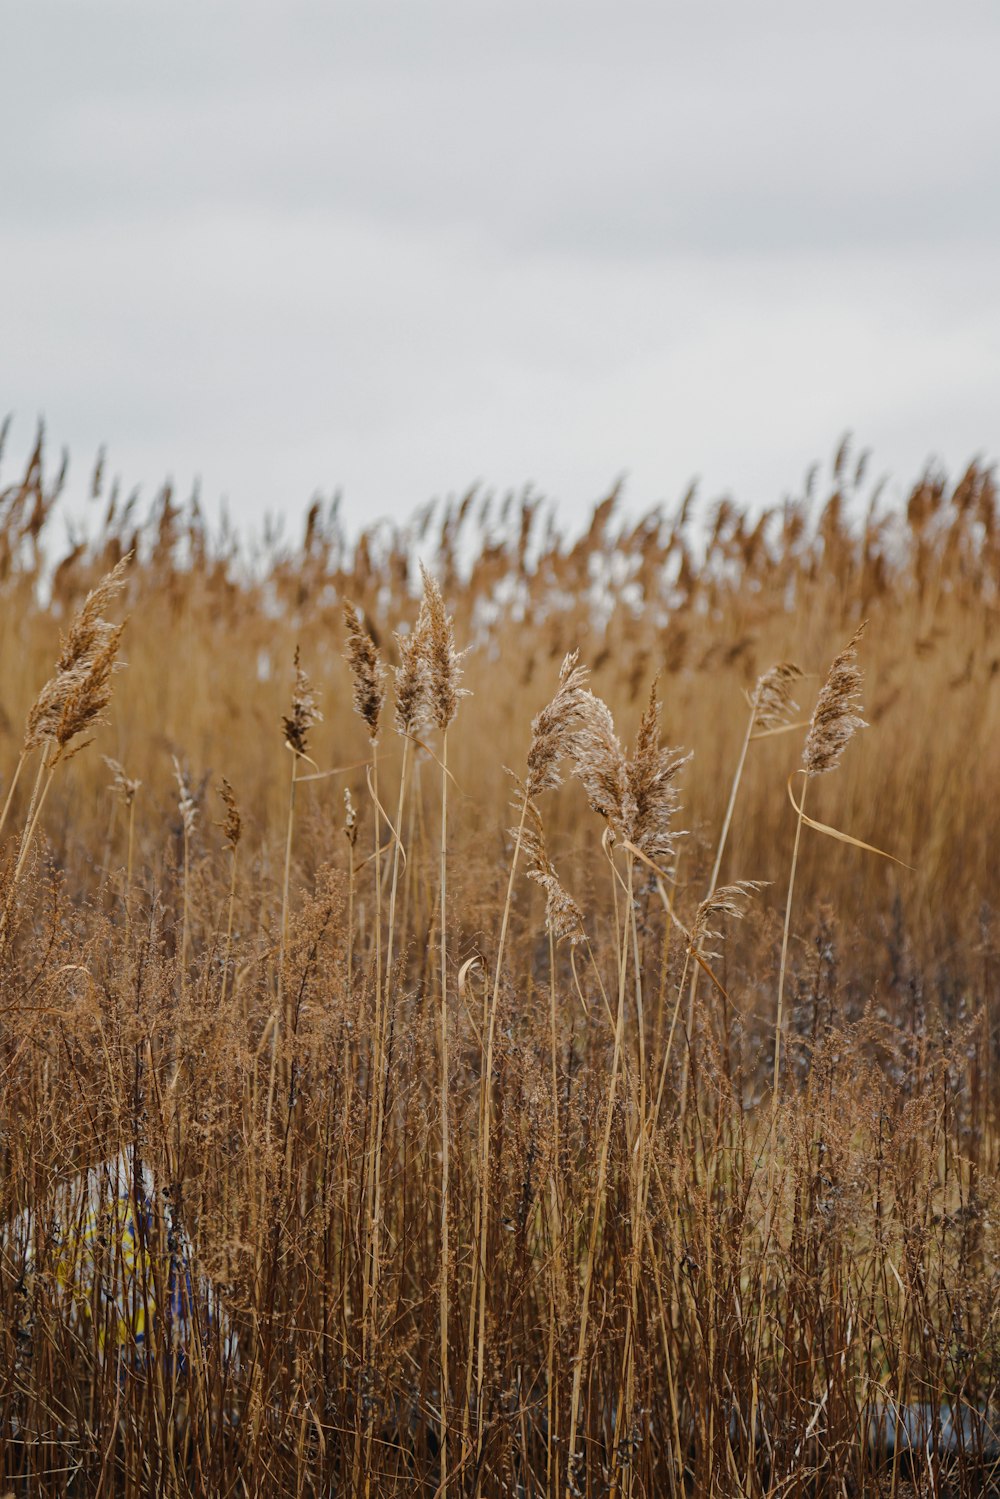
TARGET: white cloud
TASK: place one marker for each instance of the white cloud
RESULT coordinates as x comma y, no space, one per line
399,251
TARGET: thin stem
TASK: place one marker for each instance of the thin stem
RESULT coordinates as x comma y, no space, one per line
602,1174
229,925
485,1123
445,1139
784,951
12,787
278,1030
128,860
712,883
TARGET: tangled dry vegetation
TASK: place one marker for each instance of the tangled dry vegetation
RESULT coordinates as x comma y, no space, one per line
499,1101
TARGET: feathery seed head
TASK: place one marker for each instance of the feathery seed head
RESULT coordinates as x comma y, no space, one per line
305,711
185,799
563,917
553,729
651,778
837,714
637,797
46,711
232,826
80,690
411,677
599,761
367,668
443,662
350,818
88,630
726,900
88,693
122,783
772,699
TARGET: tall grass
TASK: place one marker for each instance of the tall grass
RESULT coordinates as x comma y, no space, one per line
574,1159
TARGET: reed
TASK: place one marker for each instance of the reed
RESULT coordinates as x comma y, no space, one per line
379,1139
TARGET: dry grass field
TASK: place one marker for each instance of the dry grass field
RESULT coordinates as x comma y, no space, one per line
510,1083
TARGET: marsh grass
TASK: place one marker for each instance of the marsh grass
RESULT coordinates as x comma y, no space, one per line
579,1159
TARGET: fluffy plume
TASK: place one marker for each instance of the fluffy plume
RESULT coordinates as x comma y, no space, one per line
123,784
410,677
553,730
444,663
76,697
185,798
563,917
651,778
350,818
88,694
599,761
367,668
47,709
772,699
837,715
727,900
232,826
637,797
88,630
305,711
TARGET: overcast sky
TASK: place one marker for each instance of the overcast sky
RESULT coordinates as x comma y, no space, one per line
396,249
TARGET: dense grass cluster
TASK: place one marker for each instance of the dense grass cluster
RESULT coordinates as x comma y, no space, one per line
418,1078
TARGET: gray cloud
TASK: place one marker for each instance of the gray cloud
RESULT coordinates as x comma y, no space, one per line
400,249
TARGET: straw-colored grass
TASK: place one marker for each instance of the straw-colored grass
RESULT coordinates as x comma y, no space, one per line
640,1141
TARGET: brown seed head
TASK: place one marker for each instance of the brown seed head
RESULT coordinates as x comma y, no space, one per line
123,784
88,693
836,716
305,711
232,826
599,762
410,677
563,917
444,663
79,692
350,818
185,799
772,699
46,712
636,797
651,778
88,630
553,729
727,900
367,667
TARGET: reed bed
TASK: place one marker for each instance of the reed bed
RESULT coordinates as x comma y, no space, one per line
452,1041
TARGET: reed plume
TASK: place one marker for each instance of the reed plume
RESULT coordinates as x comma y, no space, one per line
563,917
305,711
232,824
837,715
727,900
636,796
772,702
367,669
410,684
73,700
443,663
554,728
